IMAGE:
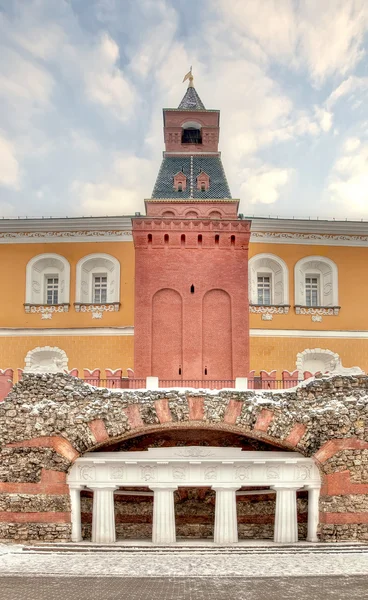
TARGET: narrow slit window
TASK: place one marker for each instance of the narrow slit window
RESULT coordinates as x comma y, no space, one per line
217,240
166,239
183,239
232,240
200,240
192,289
149,238
205,370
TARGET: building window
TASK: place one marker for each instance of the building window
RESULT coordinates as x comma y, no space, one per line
264,289
52,290
316,282
47,280
98,279
268,281
99,289
180,187
312,291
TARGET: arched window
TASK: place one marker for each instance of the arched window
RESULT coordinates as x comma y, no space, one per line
47,280
98,280
268,281
316,282
191,133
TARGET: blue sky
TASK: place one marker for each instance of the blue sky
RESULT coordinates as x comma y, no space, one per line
83,82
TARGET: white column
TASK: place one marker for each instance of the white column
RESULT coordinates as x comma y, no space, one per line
75,504
226,523
103,517
313,512
163,529
286,520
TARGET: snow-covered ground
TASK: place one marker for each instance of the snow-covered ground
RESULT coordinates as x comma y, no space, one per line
144,564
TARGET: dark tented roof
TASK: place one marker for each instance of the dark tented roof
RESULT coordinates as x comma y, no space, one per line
191,101
191,166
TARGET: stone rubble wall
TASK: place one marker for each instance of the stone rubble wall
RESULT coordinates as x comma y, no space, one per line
47,421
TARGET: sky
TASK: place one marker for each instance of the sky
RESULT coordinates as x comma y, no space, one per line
83,84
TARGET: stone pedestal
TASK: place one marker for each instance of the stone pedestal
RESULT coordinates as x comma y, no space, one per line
286,522
226,524
163,528
313,513
103,517
76,513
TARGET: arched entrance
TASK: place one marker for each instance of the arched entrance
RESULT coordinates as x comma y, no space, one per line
227,471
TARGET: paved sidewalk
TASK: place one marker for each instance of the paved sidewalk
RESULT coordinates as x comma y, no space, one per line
183,564
112,588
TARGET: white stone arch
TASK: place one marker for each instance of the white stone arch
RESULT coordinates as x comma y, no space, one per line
191,125
277,268
315,360
93,264
36,271
326,271
46,359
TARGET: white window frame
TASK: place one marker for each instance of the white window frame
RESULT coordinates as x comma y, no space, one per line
46,288
327,271
263,272
97,264
269,264
313,276
101,287
38,269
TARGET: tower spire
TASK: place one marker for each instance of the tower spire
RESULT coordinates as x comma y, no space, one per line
189,76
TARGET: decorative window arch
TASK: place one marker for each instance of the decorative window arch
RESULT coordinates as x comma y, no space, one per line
47,281
316,282
268,281
98,280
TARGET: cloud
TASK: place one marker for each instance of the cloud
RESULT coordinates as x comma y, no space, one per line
120,190
324,38
348,182
105,82
264,184
347,88
9,167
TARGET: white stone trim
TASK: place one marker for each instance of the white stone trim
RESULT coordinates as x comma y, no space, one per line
328,357
56,360
87,331
97,263
327,271
308,333
36,270
269,263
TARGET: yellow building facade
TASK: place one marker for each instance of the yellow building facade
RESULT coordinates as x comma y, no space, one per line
68,288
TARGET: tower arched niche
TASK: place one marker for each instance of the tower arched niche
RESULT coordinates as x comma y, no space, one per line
167,334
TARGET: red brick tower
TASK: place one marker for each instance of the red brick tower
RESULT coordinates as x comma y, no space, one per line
191,274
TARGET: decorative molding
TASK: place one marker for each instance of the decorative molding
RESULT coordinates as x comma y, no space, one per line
325,270
323,311
269,310
38,269
97,310
46,359
308,333
46,310
97,264
316,318
327,359
308,239
69,332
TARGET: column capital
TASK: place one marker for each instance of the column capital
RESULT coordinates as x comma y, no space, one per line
313,486
76,486
163,486
96,487
287,486
225,487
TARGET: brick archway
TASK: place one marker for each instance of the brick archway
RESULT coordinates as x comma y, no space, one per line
47,421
